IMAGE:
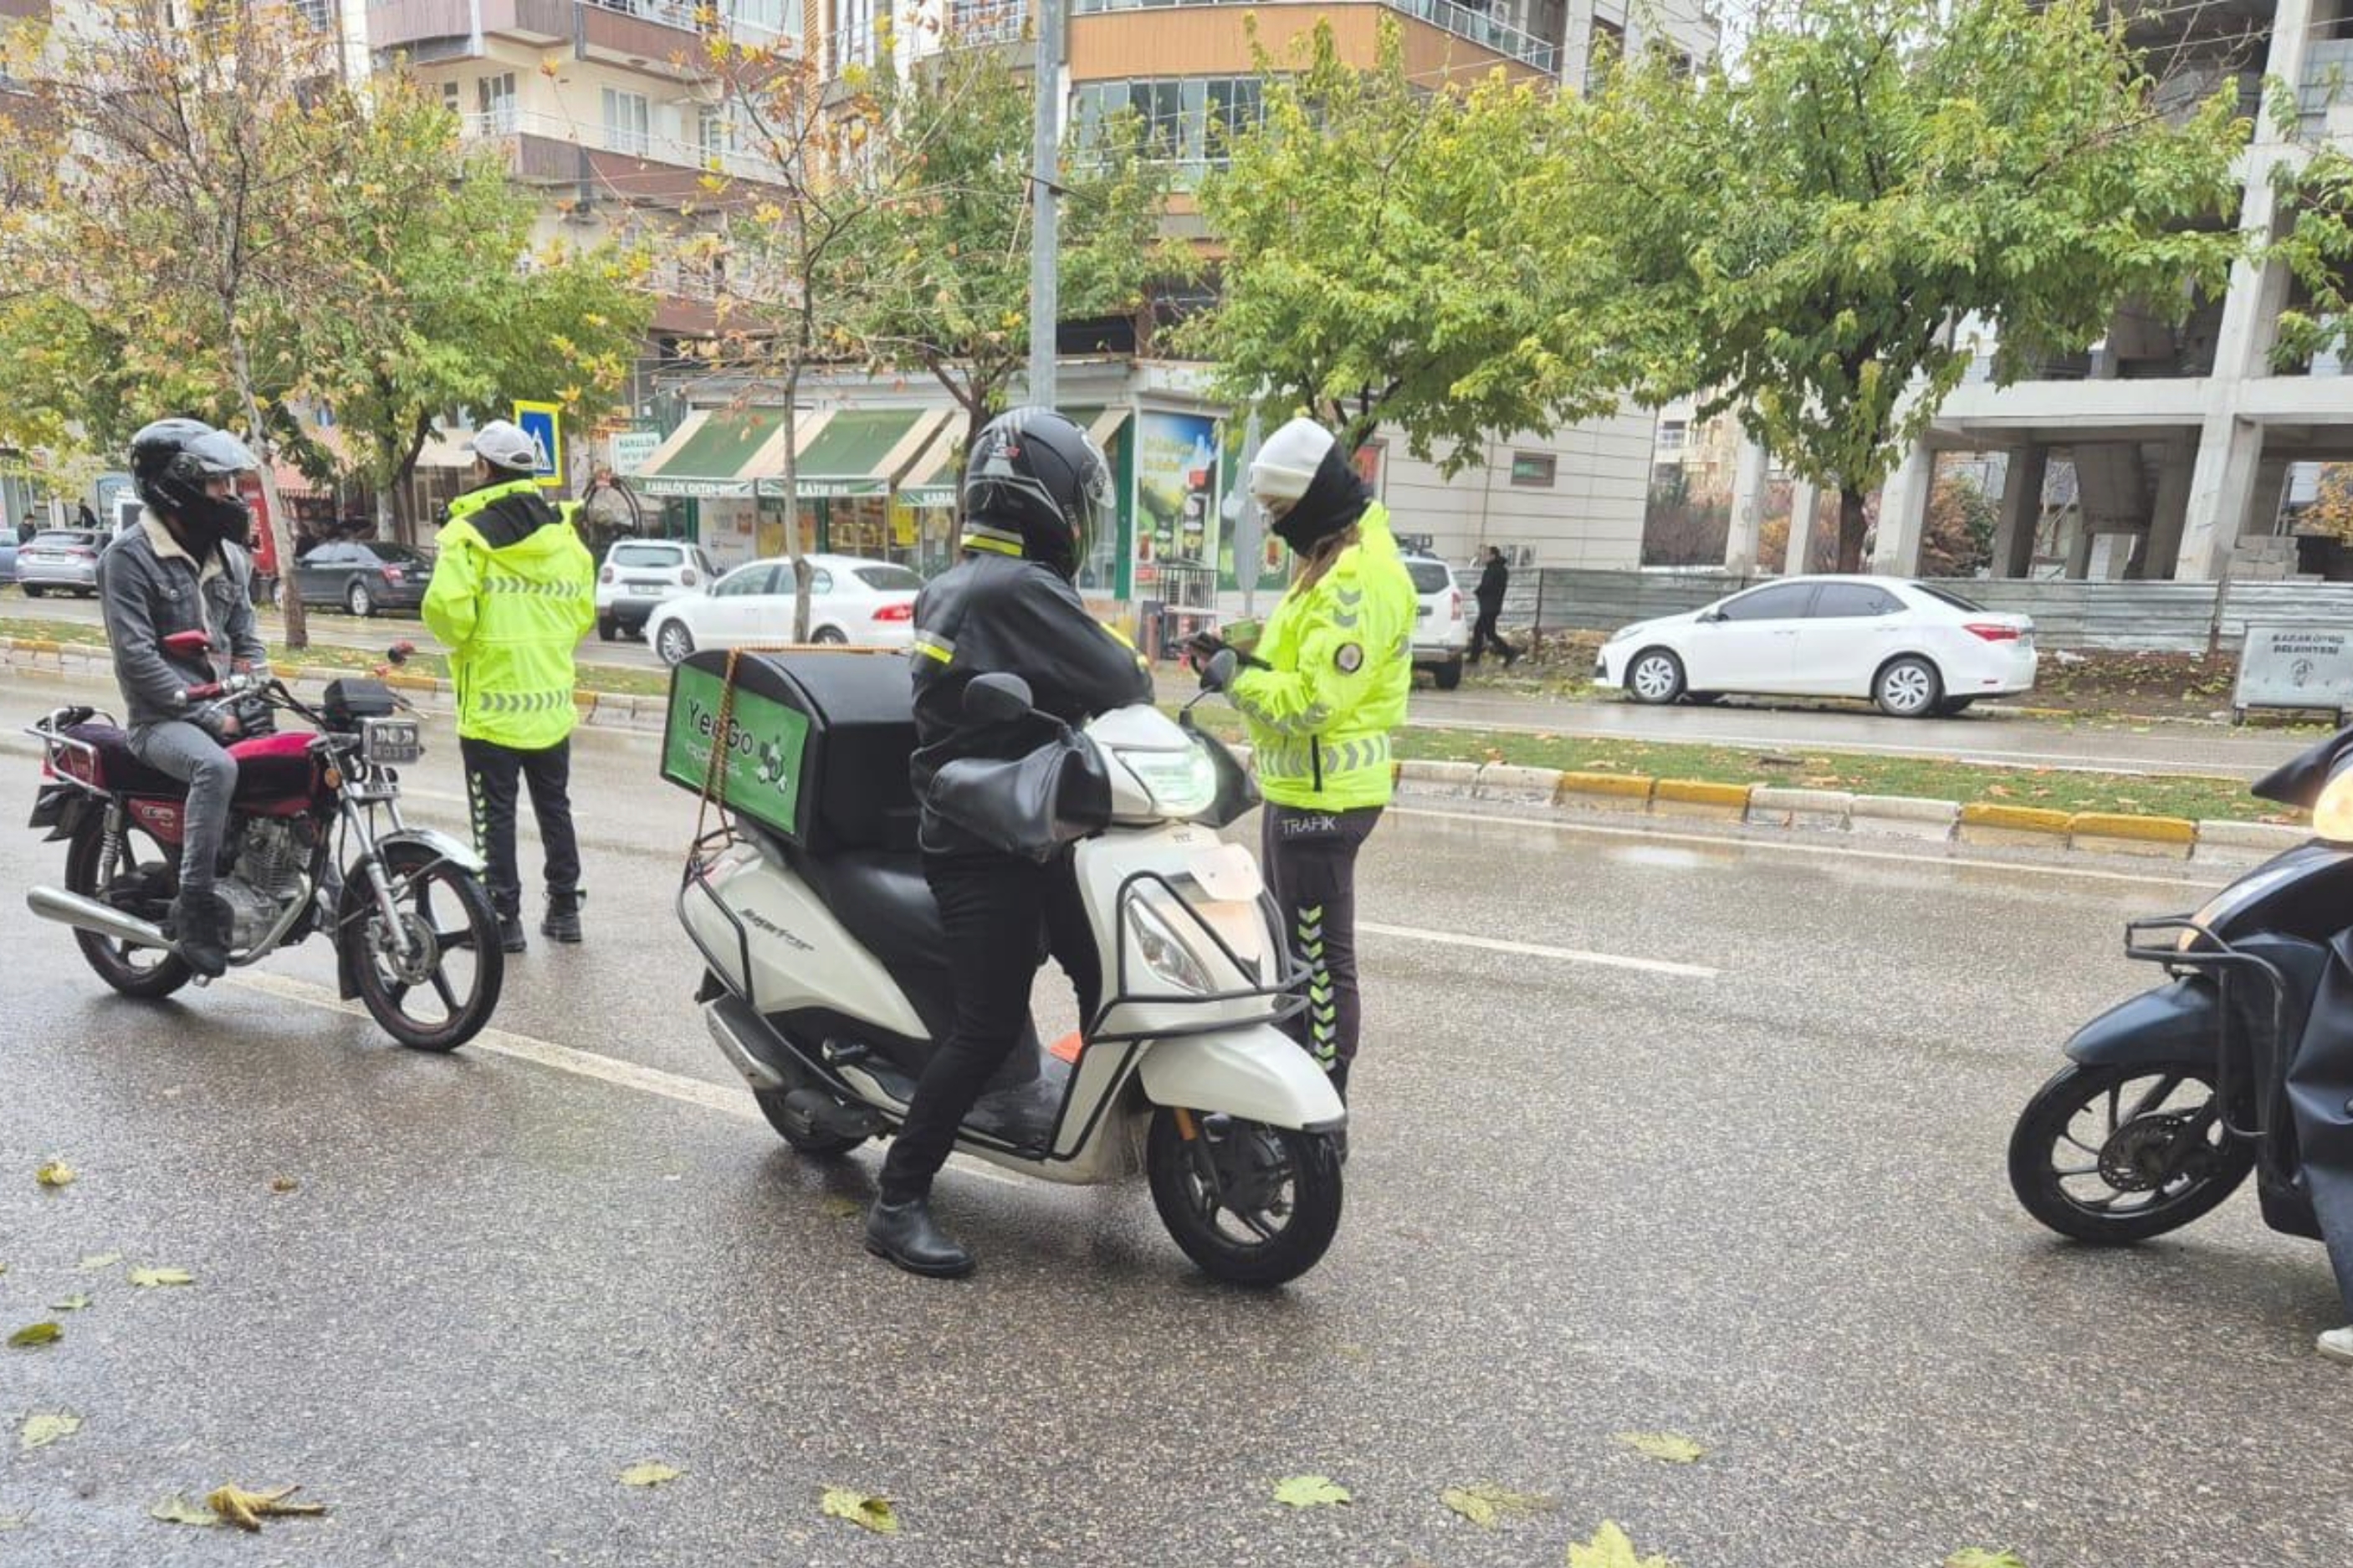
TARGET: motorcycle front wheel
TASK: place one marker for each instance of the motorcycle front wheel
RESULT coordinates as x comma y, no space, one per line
2113,1155
438,993
1253,1205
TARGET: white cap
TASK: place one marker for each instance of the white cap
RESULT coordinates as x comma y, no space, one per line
1286,464
506,447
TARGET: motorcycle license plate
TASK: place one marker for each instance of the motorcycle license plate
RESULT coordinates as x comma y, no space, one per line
390,740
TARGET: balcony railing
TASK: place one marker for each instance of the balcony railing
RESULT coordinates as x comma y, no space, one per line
668,12
1447,16
625,141
988,21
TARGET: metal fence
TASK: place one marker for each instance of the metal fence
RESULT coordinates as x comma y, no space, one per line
2157,616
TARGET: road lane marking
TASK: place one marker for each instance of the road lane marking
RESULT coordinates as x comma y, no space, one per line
708,1096
1536,950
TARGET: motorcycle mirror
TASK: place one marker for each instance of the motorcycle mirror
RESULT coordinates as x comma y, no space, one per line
187,644
399,652
1223,667
997,699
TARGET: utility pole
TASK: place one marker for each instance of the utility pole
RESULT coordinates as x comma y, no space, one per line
1045,192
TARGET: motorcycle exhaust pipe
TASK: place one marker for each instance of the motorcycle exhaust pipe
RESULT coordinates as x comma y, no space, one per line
90,915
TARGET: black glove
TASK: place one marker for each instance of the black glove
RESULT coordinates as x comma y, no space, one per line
1203,646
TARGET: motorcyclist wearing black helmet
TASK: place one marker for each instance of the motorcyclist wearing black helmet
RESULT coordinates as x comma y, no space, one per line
1037,490
183,568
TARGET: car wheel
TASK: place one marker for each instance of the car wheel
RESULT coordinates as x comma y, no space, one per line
673,642
828,637
359,601
1447,675
34,590
605,630
1655,676
1908,687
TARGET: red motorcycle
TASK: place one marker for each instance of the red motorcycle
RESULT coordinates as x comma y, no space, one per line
415,935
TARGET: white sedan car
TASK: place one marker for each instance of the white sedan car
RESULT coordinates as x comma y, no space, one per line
1916,650
853,602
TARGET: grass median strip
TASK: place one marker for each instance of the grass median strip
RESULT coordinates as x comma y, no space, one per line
2189,796
598,679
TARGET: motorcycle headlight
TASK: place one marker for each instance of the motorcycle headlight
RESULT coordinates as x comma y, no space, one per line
2332,814
1182,783
1164,952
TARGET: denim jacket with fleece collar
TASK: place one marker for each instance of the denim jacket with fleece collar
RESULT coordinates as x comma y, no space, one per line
150,587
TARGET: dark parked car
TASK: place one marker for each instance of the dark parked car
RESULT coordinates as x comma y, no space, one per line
364,576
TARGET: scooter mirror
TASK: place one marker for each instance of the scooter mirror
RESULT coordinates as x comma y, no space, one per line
997,699
187,644
1223,666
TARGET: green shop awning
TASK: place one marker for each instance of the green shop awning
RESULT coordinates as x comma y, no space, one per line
931,479
858,452
714,455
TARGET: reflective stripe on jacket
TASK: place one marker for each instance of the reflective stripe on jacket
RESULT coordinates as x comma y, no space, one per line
1340,658
513,593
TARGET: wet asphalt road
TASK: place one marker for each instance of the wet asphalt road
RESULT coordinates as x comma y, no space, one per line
1763,1209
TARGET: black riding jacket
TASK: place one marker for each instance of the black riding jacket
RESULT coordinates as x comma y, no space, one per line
1001,615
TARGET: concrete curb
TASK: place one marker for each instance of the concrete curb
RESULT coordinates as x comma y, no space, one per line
37,659
1986,824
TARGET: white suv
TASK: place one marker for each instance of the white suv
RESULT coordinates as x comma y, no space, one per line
640,573
1440,633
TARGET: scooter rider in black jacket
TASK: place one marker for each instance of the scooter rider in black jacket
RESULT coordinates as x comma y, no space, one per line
1036,490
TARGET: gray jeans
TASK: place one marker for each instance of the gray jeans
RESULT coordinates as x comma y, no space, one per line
187,752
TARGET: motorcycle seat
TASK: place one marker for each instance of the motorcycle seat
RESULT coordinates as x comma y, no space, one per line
268,767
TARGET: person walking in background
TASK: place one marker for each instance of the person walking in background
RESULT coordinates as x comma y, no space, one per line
1495,582
513,593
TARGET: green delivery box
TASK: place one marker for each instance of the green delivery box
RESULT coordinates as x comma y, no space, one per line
816,744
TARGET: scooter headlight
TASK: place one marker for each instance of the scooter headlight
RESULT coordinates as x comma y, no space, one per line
1181,783
2332,814
1164,952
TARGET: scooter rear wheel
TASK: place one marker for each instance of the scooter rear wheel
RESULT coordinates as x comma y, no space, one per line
1253,1205
2099,1154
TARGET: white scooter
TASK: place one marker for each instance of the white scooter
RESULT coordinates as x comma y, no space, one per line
827,984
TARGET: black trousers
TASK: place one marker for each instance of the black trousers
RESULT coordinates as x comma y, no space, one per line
1484,636
994,908
1311,870
491,774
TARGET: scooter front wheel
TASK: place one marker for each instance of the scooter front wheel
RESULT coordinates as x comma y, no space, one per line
1253,1205
2111,1155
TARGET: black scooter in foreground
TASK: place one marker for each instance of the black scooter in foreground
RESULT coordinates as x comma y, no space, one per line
2242,1060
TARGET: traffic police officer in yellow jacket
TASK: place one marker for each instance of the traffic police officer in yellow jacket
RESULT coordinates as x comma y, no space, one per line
513,593
1321,688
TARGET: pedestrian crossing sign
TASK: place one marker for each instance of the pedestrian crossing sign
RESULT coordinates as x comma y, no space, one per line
539,421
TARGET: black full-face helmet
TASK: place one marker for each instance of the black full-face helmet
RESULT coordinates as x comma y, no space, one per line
1038,485
173,462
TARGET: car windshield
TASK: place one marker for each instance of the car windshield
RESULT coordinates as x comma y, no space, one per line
658,557
1944,596
1429,577
888,579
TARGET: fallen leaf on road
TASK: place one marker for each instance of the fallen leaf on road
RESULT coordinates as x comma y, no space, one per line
246,1509
1978,1557
650,1474
843,1208
284,1184
35,1334
178,1510
71,1304
147,1279
1611,1548
98,1260
1487,1505
55,1174
1664,1446
1310,1491
14,1521
45,1427
874,1513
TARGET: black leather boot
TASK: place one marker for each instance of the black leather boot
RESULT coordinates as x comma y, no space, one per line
510,935
563,921
201,921
907,1235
